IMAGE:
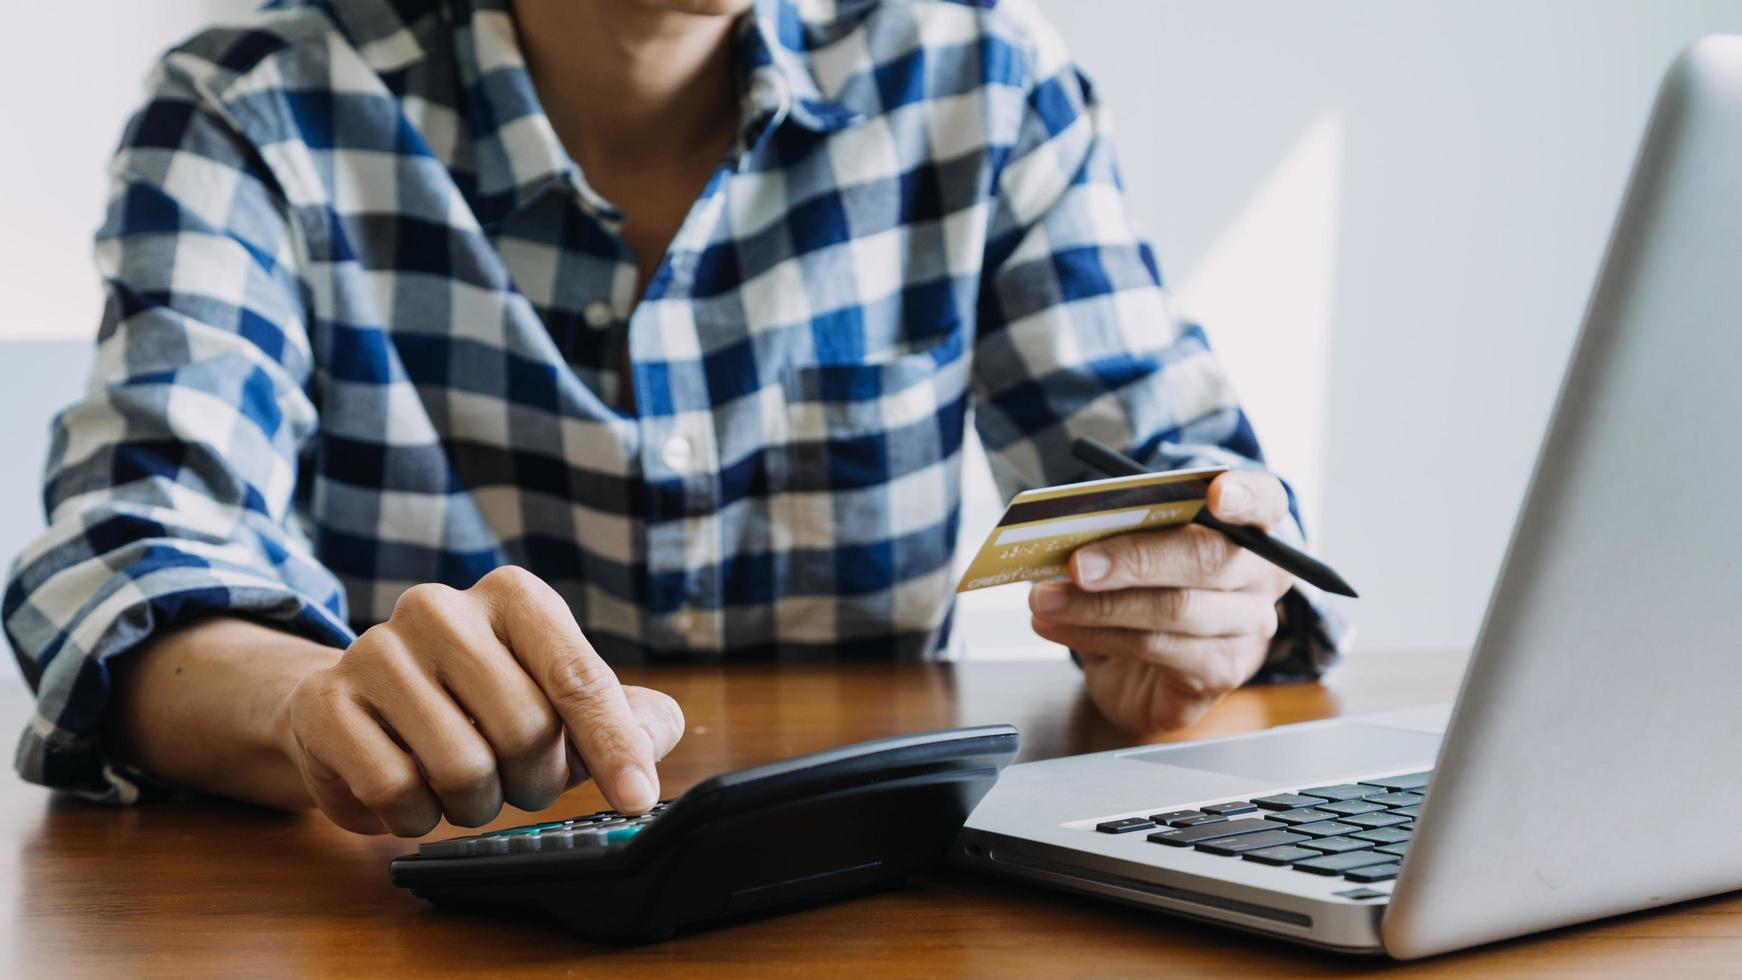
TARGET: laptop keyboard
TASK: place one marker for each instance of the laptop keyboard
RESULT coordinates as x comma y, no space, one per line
1356,831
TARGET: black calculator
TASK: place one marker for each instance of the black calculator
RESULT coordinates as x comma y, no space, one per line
796,832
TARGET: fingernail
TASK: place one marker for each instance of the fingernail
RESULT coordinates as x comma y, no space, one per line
1235,499
635,791
1092,566
1050,597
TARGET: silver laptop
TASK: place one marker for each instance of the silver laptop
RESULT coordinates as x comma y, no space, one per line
1592,764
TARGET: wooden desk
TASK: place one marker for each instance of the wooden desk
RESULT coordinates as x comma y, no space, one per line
213,889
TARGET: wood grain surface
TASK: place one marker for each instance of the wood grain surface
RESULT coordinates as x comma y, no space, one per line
210,888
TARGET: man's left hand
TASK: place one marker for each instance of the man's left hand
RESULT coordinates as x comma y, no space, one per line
1166,623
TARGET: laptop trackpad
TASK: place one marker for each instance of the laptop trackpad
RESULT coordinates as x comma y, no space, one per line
1301,756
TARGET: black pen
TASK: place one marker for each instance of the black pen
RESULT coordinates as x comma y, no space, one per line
1279,553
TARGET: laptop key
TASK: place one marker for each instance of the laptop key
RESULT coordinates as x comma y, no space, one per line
1249,842
1187,836
1171,815
1304,815
1383,835
1128,825
1324,828
1286,801
1376,872
1337,845
1386,818
1413,780
1280,856
1351,807
1336,864
1395,799
1229,809
1200,819
1401,850
1360,893
1409,811
1343,791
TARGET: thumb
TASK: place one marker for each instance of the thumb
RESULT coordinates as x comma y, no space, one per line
1248,497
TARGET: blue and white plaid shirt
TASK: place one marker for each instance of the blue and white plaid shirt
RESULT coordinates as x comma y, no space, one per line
367,326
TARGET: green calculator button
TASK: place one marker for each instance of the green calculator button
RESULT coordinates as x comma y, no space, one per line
521,831
621,833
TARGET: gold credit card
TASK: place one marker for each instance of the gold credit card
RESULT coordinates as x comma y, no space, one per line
1041,528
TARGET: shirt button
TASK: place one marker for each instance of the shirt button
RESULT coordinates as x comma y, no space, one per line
765,90
684,621
599,314
677,453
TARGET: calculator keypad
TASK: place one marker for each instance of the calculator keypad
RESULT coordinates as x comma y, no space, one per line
596,830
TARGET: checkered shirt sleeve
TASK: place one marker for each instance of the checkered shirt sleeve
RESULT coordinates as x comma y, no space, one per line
1076,337
169,485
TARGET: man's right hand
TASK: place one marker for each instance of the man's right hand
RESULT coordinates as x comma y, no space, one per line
465,700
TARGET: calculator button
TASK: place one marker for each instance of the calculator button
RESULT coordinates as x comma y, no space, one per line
490,845
459,847
616,834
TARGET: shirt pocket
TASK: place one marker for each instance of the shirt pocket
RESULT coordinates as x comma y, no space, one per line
860,424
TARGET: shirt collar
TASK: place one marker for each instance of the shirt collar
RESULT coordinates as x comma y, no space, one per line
779,76
516,151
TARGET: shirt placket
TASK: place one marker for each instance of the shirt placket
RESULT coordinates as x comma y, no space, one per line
679,451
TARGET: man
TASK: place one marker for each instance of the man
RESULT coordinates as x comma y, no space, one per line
456,349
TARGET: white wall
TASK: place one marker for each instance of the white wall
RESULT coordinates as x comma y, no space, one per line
71,72
1472,154
1387,214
